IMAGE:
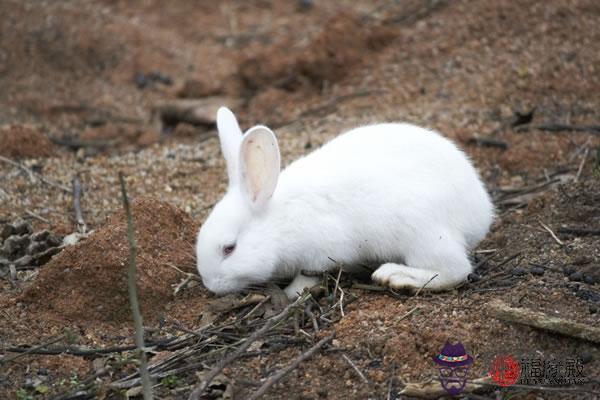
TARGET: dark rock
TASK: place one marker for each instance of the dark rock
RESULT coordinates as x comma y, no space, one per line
24,261
54,240
568,269
539,271
40,236
157,76
473,277
576,276
14,244
518,271
593,309
140,80
590,280
305,5
22,227
588,295
586,357
37,247
45,256
6,231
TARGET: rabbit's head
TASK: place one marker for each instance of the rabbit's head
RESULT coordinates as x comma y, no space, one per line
232,249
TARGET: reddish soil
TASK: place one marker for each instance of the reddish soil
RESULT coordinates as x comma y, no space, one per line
86,283
22,141
79,86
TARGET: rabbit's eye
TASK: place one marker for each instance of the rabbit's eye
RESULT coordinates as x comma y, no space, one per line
227,250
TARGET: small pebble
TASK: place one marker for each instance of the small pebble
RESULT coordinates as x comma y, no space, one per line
589,279
586,357
140,80
576,276
518,271
305,5
539,271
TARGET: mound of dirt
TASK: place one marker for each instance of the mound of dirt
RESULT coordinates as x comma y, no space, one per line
88,281
344,42
24,141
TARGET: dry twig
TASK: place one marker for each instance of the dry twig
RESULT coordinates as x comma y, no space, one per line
33,175
545,322
284,371
426,283
133,299
547,228
583,160
355,368
81,226
216,370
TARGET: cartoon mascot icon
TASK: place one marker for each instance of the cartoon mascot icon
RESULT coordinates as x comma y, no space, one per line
453,364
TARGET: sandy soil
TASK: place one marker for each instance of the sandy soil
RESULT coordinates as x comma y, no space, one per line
80,85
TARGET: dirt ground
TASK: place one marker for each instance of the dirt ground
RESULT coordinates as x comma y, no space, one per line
516,83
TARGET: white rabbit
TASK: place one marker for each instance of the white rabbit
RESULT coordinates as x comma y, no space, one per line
394,193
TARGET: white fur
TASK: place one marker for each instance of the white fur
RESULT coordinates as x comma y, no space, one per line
391,193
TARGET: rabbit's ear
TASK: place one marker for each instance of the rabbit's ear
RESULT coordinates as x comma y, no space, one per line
230,136
259,165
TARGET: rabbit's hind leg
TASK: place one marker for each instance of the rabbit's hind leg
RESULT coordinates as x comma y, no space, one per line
438,269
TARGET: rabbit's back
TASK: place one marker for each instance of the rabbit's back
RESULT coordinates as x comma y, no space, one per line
390,182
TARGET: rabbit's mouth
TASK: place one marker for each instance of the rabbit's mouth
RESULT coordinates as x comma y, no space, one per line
220,286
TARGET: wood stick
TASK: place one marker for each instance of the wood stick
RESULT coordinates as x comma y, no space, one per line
579,231
216,370
554,128
81,226
546,227
539,320
133,299
583,160
273,379
487,141
434,390
30,350
33,174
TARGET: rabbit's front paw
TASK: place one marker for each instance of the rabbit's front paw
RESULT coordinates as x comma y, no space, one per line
297,286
